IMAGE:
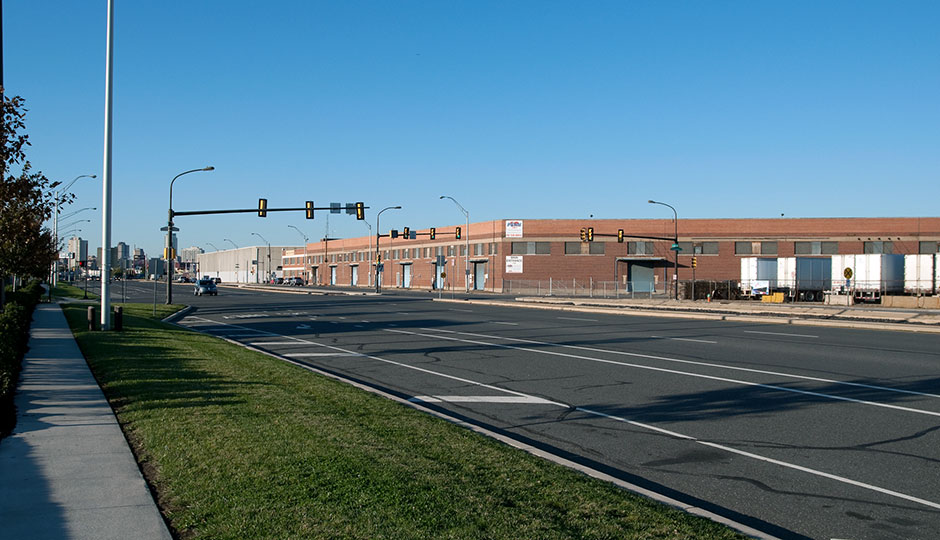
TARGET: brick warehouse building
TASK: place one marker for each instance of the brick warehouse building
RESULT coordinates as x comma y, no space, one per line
508,253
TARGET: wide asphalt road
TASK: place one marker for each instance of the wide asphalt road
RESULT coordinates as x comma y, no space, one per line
799,432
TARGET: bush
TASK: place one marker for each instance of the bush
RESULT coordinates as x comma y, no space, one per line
14,336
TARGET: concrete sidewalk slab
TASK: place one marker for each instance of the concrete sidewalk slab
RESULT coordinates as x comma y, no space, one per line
67,471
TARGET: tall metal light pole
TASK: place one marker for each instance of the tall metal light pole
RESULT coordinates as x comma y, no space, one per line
675,247
378,235
55,223
213,245
466,261
268,267
106,171
306,240
169,235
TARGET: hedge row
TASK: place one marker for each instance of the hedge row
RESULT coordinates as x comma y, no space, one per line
14,336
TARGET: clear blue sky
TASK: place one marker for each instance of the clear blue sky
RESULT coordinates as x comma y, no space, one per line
521,109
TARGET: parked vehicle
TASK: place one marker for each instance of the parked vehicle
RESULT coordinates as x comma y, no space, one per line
205,286
217,280
867,277
295,281
921,273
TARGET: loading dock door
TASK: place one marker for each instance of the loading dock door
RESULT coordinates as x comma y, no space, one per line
438,280
640,275
479,276
332,275
354,275
406,276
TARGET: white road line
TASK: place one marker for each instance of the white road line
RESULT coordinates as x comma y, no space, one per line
272,342
482,399
575,319
318,354
506,323
779,334
244,335
686,339
638,424
758,457
690,362
461,310
676,372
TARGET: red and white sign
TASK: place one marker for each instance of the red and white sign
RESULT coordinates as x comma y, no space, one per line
513,228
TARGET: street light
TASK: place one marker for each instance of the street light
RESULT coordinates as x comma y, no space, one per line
268,268
55,223
70,214
213,245
229,241
306,240
378,235
169,235
675,247
466,261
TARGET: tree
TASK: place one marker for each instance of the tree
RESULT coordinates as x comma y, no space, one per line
26,247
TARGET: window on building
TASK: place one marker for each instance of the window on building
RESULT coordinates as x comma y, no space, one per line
451,250
755,248
572,248
463,249
929,247
639,248
531,248
596,248
701,248
879,247
494,248
815,248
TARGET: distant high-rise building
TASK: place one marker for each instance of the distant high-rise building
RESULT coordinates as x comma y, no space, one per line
123,251
78,251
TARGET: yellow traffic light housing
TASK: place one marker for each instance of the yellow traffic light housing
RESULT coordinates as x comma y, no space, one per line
583,234
309,209
620,235
262,208
406,232
694,262
590,234
360,211
433,233
457,233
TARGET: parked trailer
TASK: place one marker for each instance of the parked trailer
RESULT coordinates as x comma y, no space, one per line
804,278
867,277
921,274
758,275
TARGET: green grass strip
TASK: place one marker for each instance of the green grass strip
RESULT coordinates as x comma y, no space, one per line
64,290
241,445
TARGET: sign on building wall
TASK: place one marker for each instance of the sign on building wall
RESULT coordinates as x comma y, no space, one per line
514,228
513,264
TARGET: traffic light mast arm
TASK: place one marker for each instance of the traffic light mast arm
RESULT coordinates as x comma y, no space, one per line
247,211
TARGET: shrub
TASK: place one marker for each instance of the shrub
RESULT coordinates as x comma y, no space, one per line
14,337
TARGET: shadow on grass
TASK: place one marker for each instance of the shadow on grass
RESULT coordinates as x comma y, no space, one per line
152,365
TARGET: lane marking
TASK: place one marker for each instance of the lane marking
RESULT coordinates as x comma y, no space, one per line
576,319
272,342
253,334
506,323
649,427
691,362
676,372
765,459
778,334
483,399
686,339
319,354
461,310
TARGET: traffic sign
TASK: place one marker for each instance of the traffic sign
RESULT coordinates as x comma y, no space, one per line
847,273
172,229
675,247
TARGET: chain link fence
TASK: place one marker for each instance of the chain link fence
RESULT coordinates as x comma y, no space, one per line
589,288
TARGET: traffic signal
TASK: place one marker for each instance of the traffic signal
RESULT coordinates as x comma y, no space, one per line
590,234
360,211
81,264
694,262
262,208
433,233
309,208
406,232
457,232
393,233
620,235
583,234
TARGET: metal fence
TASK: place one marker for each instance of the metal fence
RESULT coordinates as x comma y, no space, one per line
589,288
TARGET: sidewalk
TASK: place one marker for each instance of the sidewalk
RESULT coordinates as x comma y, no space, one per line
66,471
